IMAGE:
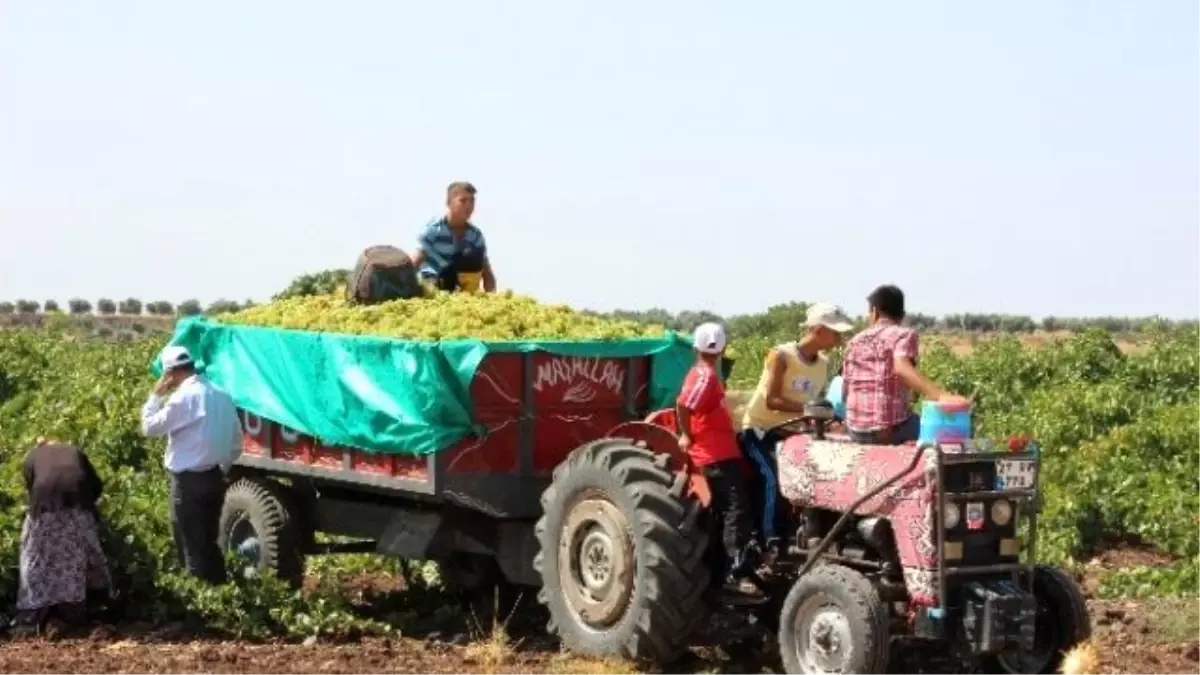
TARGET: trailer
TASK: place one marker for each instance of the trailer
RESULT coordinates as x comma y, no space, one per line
447,451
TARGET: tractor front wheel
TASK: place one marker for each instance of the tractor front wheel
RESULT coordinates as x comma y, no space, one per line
621,554
1061,623
833,621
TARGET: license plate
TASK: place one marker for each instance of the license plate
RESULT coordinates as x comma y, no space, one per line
975,515
1015,474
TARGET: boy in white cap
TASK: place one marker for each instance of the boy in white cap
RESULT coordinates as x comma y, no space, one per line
706,434
794,374
204,437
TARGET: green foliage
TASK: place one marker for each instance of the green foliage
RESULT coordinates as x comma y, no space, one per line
106,306
56,384
51,306
222,306
187,308
28,306
164,308
130,307
319,283
7,307
1119,433
1178,579
79,306
261,606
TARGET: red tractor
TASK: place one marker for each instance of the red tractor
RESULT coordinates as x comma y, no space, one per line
931,542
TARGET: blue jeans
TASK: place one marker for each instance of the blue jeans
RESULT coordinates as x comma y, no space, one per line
906,431
761,453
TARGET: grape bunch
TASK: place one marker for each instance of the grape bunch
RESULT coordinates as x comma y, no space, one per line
442,316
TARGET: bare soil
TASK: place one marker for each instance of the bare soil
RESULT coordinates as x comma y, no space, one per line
1132,637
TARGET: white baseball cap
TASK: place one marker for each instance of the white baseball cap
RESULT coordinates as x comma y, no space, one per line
830,316
175,356
709,338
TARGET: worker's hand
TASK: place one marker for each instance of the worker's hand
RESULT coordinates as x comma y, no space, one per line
166,384
954,402
685,443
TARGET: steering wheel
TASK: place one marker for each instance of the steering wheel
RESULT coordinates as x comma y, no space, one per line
815,419
790,427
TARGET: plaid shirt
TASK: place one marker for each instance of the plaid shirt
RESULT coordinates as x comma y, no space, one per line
875,397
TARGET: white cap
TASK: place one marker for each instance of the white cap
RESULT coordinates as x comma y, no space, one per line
175,356
830,316
709,338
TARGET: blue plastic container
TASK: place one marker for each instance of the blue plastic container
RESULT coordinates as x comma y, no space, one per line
835,398
943,426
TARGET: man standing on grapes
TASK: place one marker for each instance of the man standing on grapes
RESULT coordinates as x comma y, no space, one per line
204,437
451,253
879,374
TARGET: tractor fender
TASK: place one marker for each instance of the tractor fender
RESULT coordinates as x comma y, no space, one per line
662,441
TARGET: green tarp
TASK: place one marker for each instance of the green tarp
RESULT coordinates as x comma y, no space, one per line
383,394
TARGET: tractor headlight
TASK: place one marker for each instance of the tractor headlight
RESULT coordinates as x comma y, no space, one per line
1002,512
951,516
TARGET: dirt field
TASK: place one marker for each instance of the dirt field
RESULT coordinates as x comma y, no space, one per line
1133,637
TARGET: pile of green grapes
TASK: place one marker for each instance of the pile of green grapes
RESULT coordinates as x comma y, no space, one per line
442,316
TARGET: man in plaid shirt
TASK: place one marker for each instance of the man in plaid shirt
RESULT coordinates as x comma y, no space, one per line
879,374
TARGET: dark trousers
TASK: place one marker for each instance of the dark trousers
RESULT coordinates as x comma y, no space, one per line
731,509
902,433
196,499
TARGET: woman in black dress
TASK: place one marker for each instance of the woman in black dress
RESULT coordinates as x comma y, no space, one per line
61,557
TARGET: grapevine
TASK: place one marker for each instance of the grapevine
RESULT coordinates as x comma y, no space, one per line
1118,430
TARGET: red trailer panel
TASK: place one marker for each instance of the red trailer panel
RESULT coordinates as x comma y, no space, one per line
537,408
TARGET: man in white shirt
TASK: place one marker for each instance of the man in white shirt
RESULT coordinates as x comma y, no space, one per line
204,437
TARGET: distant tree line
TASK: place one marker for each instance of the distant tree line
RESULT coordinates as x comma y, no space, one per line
783,321
777,322
126,307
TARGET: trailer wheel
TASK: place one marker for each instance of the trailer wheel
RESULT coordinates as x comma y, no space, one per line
258,523
1062,622
833,621
621,554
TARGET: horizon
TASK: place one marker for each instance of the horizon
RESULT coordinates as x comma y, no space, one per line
1035,158
64,308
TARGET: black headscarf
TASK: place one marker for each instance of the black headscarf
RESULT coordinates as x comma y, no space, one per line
59,476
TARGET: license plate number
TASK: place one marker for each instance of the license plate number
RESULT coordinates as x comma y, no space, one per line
1015,474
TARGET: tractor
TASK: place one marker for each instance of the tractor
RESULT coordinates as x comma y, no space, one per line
931,542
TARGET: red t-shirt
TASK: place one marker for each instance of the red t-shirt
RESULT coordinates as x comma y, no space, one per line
713,437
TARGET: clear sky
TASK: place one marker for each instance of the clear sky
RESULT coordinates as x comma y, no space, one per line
1032,157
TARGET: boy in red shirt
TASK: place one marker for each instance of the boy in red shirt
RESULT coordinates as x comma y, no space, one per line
707,436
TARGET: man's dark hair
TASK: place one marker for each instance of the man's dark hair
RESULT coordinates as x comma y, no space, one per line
889,301
460,185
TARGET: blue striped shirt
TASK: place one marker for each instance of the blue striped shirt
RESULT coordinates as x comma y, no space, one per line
439,244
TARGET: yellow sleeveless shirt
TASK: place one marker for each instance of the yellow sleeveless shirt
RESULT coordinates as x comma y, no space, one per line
801,383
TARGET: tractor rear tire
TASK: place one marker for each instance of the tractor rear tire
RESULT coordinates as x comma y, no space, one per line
621,554
1062,623
258,515
833,620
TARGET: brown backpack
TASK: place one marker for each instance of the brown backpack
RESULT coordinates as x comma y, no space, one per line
382,273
